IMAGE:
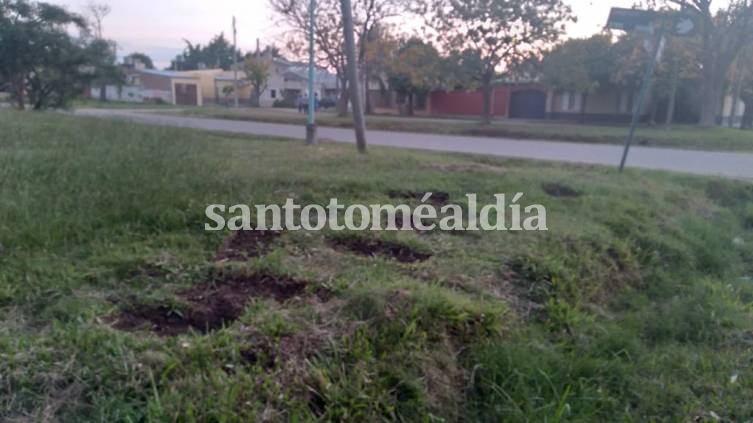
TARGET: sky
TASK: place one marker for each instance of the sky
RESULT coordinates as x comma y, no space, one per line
158,27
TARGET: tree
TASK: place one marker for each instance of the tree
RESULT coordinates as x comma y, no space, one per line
415,69
43,62
268,51
580,65
330,44
141,57
500,32
350,55
723,36
218,53
227,91
257,73
97,13
746,91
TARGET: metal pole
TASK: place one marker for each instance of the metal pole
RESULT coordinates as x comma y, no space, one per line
311,124
645,86
235,64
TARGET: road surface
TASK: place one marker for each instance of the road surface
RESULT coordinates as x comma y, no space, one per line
731,165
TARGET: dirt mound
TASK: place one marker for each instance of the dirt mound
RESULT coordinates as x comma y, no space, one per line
437,199
559,190
210,306
243,245
376,247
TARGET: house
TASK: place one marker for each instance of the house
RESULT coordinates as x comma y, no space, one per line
148,85
286,83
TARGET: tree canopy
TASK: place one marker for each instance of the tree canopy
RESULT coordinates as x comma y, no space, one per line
415,68
257,69
44,64
219,53
498,32
723,35
143,58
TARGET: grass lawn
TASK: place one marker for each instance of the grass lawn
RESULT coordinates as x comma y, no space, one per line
96,104
635,306
682,136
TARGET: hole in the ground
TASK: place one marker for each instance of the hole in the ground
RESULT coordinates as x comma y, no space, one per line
243,245
210,306
377,247
437,199
560,190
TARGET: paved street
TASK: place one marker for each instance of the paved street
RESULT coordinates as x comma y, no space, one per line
733,165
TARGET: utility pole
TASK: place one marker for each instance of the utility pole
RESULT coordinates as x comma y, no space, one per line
235,63
311,124
355,91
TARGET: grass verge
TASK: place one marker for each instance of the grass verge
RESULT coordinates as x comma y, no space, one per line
681,136
635,306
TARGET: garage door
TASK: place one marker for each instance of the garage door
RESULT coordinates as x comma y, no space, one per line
186,95
528,104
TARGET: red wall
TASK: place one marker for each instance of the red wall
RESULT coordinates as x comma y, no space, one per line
468,103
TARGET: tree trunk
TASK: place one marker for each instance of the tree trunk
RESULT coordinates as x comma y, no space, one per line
410,110
355,90
488,91
342,103
712,86
737,91
654,110
103,92
748,115
669,119
18,89
257,98
583,105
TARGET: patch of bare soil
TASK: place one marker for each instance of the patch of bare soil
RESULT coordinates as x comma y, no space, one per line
376,247
437,199
244,245
210,306
560,190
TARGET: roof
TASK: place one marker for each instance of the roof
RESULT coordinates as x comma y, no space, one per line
322,76
167,73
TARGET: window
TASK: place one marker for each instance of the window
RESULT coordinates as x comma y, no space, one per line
273,93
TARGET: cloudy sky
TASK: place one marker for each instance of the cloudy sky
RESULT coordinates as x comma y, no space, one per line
157,27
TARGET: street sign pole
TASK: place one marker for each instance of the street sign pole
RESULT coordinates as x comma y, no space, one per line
645,86
311,124
647,21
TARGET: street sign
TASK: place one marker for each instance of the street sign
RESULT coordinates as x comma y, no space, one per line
630,19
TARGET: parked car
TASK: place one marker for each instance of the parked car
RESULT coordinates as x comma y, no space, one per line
327,102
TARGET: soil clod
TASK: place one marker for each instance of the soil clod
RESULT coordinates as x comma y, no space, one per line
437,199
560,191
244,245
377,247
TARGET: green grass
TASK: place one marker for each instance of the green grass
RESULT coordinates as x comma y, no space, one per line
96,104
682,136
635,306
